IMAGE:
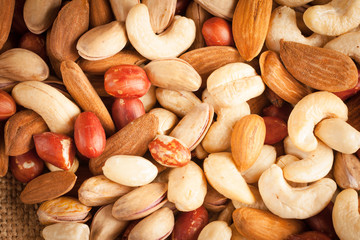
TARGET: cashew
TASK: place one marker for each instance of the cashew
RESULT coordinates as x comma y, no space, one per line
234,83
339,135
334,18
174,41
314,165
58,112
348,44
266,158
222,174
283,26
308,112
149,99
258,204
293,3
287,202
218,138
285,160
346,217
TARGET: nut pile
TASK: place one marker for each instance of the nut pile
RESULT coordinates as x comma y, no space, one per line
182,119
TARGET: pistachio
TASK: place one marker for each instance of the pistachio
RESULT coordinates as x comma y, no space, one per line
140,202
104,226
68,231
63,209
214,201
99,191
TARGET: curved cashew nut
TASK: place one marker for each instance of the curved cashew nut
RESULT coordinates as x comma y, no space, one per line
347,44
283,26
218,138
285,160
293,3
314,165
334,18
308,112
58,111
288,202
346,217
234,83
174,41
339,135
222,174
266,158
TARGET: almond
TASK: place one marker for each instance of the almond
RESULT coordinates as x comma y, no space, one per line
100,12
19,130
206,60
319,68
346,171
84,94
257,104
247,139
279,80
71,22
133,139
263,225
354,111
6,14
99,67
47,187
250,25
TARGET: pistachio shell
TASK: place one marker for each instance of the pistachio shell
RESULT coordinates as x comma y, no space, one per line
68,231
103,41
140,202
99,190
63,209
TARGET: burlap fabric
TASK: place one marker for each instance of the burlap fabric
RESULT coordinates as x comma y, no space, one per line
17,220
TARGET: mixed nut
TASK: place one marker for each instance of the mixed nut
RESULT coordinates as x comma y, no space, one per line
182,119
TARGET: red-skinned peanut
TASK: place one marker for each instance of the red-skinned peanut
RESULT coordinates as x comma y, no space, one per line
34,43
126,81
55,148
7,105
26,167
276,130
126,110
350,92
217,32
282,112
89,135
181,6
189,224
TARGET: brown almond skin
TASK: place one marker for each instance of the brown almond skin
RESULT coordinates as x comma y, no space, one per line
85,95
72,21
100,12
47,187
319,68
133,139
354,111
263,225
19,130
279,80
250,25
7,105
6,14
309,236
347,171
247,139
257,104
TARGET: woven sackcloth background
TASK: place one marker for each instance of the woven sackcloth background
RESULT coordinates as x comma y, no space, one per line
17,220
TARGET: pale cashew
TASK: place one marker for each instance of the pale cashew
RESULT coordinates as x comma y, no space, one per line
102,41
308,112
149,99
348,44
58,112
266,158
283,26
222,174
288,202
293,3
174,41
314,165
218,138
339,135
285,160
334,18
258,204
234,83
346,217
